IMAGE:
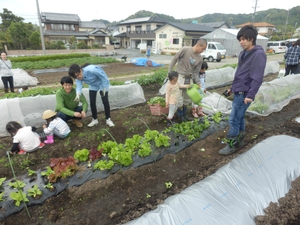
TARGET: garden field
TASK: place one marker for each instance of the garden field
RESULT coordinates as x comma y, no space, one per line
129,193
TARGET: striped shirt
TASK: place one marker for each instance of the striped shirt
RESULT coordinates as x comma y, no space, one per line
58,124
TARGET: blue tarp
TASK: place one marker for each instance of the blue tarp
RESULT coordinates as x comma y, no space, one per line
143,62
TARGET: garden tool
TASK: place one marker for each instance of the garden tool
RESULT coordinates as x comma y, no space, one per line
50,139
194,94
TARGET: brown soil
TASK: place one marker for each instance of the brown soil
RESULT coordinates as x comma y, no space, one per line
123,196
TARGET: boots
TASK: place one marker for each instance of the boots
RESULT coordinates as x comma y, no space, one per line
5,90
50,139
230,147
169,122
241,138
185,114
12,90
200,113
180,115
194,112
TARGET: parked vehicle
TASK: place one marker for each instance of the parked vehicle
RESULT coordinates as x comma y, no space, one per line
116,44
277,46
214,51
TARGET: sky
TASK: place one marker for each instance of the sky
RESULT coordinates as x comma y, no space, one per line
118,10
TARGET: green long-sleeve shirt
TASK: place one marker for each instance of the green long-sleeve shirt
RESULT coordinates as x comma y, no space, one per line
65,102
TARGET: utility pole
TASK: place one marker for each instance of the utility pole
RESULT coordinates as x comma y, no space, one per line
254,13
41,29
286,22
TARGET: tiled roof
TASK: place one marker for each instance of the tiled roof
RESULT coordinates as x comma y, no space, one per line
48,16
92,24
258,24
143,20
191,27
214,24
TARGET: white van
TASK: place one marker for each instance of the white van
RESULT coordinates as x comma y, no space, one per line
277,46
214,51
116,44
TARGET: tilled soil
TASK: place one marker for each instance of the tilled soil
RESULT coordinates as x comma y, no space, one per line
123,196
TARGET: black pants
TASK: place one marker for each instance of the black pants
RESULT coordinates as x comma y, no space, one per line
291,68
8,80
104,97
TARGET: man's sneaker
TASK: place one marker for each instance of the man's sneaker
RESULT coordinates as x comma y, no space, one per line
93,123
41,145
77,123
110,123
22,152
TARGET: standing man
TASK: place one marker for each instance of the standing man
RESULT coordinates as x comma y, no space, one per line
189,63
247,80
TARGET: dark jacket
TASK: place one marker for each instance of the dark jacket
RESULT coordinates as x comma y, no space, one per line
250,72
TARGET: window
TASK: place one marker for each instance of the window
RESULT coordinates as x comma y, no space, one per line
211,46
162,36
138,29
148,27
128,28
176,41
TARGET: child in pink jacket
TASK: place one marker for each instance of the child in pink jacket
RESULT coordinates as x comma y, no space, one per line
172,94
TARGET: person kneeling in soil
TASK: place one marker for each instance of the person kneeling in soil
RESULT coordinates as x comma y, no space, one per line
54,126
24,138
97,80
172,95
66,107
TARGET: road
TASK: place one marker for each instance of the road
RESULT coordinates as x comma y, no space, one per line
166,59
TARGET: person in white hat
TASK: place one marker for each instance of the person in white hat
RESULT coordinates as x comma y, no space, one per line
54,126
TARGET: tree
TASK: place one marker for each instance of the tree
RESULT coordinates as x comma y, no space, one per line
19,33
7,18
35,40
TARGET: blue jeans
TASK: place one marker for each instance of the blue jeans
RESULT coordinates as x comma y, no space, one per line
236,118
67,117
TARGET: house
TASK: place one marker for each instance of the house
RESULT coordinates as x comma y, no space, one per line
216,25
138,30
62,27
263,28
227,37
172,36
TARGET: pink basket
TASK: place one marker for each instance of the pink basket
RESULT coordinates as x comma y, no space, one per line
158,110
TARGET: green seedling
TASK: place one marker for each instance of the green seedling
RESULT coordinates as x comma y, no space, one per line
148,196
18,197
168,185
34,191
1,197
2,180
49,186
17,184
31,172
48,172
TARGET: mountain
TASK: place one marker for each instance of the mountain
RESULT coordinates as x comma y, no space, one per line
277,17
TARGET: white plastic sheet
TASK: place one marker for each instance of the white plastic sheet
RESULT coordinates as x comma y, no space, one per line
28,111
238,191
224,76
22,78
